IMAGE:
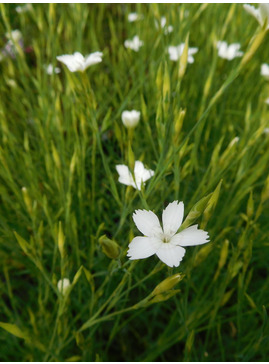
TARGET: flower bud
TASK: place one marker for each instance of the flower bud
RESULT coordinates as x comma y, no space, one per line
109,247
63,285
130,118
167,284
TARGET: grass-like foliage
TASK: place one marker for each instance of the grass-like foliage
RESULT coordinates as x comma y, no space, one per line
64,215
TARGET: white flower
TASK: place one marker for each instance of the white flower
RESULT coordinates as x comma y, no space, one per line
266,131
167,29
14,35
261,13
176,52
24,8
51,70
134,43
164,241
134,17
130,118
63,285
77,62
267,101
141,175
265,71
229,51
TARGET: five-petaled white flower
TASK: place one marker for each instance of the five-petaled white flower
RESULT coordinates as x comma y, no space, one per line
229,51
77,62
265,71
134,17
261,13
134,43
176,52
164,241
63,285
130,118
141,175
52,70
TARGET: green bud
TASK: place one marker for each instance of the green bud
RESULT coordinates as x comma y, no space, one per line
196,211
167,284
184,59
109,247
164,296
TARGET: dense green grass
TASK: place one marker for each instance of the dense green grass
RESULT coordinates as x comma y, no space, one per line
61,137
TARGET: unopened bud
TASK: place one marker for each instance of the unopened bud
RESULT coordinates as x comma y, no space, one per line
167,284
63,285
27,200
109,247
164,296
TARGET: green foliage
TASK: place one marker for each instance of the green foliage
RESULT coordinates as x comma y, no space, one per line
63,213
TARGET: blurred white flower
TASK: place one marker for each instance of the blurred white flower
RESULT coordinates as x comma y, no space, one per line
14,35
265,71
229,51
63,285
261,13
141,175
266,131
164,241
134,43
24,8
134,17
130,118
176,52
167,29
51,70
77,62
267,101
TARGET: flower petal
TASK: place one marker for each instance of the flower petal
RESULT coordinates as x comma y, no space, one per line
190,236
147,222
143,247
170,254
172,217
125,175
254,12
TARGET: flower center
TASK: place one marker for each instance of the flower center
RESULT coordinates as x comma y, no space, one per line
166,238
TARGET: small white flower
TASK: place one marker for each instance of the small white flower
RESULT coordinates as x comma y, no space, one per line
134,43
14,35
176,52
229,51
267,101
265,71
24,8
141,175
63,285
77,62
266,131
51,70
261,13
130,118
164,241
167,29
132,17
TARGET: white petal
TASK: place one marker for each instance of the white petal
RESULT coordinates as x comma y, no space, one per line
190,236
253,11
72,62
147,222
172,217
143,247
125,175
170,254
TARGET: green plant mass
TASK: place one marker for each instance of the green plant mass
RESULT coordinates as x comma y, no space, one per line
134,185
